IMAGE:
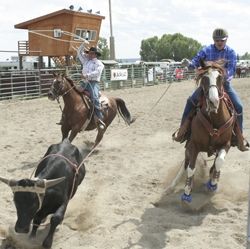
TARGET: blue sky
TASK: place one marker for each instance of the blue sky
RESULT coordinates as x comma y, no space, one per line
135,20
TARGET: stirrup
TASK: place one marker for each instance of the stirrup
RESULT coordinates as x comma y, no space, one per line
101,124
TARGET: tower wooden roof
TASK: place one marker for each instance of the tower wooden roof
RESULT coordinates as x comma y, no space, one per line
26,24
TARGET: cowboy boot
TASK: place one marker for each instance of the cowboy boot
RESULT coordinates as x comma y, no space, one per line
99,122
181,134
60,122
242,143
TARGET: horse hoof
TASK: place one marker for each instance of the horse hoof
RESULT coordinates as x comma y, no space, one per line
211,187
187,198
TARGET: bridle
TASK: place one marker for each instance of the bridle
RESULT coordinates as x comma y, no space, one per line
206,88
221,97
57,91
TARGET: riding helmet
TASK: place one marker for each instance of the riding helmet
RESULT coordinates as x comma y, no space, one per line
220,34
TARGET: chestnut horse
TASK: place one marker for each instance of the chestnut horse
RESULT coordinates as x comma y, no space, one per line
238,72
78,111
211,127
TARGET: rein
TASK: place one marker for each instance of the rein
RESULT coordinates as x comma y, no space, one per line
212,131
57,90
222,97
68,91
58,96
94,147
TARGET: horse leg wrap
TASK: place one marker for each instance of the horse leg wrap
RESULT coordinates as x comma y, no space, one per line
189,181
215,177
219,161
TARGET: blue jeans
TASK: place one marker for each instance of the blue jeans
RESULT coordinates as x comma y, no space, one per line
194,98
93,88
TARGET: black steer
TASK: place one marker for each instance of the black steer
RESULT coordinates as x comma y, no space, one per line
57,178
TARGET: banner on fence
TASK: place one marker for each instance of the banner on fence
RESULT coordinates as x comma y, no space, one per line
119,74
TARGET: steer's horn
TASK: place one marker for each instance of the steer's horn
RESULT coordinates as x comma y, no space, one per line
51,183
9,182
4,180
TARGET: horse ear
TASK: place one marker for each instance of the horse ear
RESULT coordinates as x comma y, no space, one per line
202,63
55,74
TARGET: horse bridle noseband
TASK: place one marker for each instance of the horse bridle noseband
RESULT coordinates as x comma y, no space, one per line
56,91
220,90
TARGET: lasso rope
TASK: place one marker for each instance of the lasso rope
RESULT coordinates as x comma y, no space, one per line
50,37
81,39
95,146
38,32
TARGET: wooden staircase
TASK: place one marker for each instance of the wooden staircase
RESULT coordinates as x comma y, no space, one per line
60,61
23,48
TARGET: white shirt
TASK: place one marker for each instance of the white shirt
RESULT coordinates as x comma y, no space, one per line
92,68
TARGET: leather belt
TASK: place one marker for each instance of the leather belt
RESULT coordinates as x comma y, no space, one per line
94,81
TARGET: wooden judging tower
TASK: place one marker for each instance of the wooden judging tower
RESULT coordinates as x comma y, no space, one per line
57,35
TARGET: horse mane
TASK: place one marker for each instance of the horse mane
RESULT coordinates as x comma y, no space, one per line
71,82
73,85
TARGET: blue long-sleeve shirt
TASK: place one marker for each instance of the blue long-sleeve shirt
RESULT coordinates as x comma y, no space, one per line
211,53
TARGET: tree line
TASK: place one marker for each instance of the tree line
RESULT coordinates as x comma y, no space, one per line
175,47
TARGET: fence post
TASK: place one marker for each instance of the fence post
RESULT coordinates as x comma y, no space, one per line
154,75
104,78
40,81
145,76
11,83
132,75
25,83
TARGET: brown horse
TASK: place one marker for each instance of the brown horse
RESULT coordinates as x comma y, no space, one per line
211,128
238,72
78,111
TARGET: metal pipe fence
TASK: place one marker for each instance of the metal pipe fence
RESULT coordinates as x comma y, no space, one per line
36,83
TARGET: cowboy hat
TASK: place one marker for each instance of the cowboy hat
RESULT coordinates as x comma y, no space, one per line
93,49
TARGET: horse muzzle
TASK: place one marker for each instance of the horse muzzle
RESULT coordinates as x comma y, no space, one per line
51,96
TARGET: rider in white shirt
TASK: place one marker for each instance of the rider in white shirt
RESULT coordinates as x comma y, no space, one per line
91,73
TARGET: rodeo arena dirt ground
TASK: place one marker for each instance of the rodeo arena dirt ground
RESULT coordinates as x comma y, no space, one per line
125,200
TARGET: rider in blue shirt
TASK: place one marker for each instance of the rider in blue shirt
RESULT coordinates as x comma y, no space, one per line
218,50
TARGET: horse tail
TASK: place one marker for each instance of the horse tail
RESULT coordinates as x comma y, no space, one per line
123,111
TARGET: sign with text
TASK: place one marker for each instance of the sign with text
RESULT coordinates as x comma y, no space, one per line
119,74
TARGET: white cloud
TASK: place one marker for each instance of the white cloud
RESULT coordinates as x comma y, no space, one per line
134,20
